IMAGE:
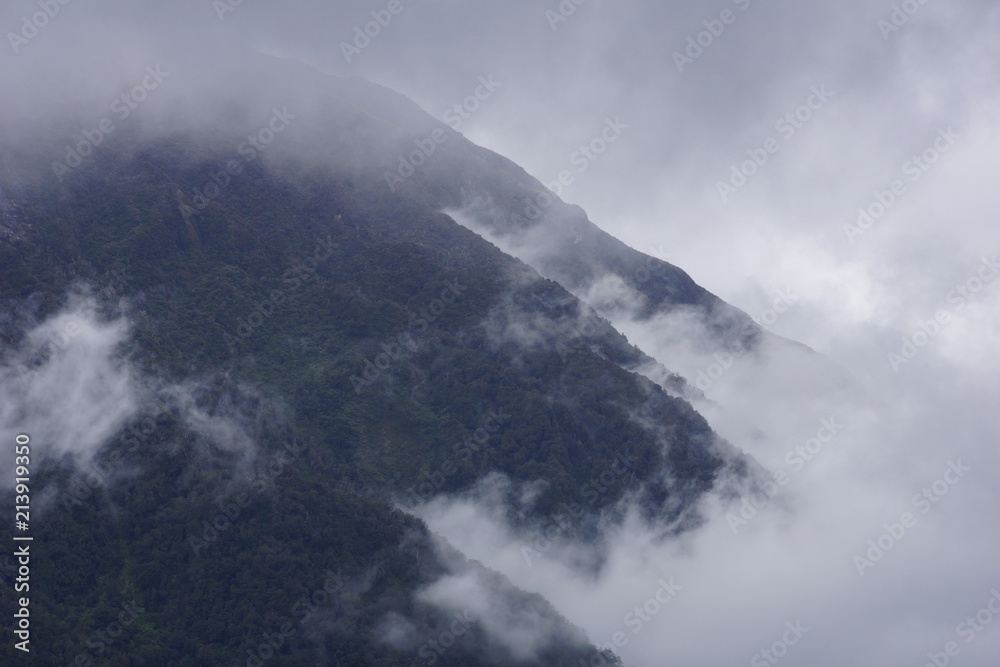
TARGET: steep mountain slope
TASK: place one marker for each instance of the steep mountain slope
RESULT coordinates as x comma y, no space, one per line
308,348
509,206
685,326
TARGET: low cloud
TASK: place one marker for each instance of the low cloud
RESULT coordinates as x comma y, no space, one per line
68,386
72,387
868,529
519,626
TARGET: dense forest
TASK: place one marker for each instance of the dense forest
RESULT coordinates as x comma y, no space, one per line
373,352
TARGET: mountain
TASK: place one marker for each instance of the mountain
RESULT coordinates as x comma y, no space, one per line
518,212
245,334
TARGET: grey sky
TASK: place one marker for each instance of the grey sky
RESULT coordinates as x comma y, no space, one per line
879,97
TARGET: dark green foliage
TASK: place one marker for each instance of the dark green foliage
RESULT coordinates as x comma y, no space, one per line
328,297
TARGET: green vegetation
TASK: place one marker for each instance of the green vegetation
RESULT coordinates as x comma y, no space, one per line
379,336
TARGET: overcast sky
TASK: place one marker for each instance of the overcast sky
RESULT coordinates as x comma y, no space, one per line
837,104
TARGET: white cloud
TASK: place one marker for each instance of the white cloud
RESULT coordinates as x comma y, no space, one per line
72,388
68,387
783,230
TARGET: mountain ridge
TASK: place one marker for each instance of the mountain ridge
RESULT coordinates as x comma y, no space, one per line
297,277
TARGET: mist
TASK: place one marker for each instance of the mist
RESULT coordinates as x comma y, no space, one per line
67,386
73,384
868,219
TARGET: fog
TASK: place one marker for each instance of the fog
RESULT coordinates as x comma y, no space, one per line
67,385
808,157
73,385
